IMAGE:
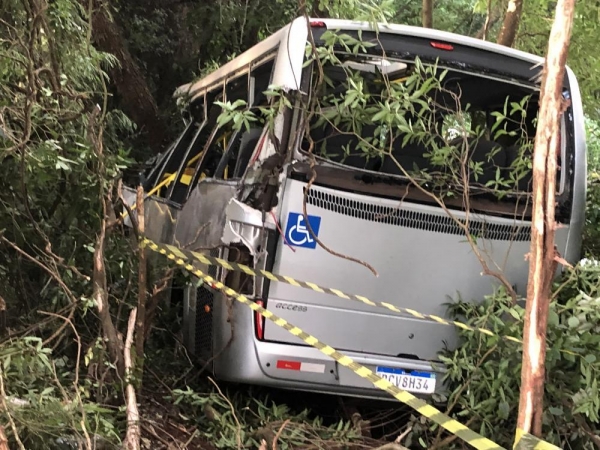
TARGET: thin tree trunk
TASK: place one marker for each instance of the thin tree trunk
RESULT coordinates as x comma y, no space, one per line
543,257
488,20
131,86
427,13
3,439
132,435
142,286
99,283
113,342
510,26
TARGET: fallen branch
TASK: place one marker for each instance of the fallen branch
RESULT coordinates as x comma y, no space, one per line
239,425
278,435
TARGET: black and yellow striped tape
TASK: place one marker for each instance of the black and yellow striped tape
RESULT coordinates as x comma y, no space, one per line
526,441
522,440
453,426
212,261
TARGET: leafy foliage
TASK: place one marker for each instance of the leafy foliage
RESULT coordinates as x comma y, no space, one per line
247,419
57,112
47,405
484,373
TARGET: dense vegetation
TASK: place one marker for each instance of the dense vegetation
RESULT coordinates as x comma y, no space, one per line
85,98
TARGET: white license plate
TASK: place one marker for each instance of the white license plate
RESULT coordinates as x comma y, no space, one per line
413,381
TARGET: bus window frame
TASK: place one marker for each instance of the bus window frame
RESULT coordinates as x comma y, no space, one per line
562,174
183,161
252,95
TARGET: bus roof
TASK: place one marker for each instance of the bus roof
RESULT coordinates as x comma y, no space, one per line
296,32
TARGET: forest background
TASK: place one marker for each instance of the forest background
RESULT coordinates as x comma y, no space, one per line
85,99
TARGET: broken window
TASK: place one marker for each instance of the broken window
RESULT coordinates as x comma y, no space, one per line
448,130
208,149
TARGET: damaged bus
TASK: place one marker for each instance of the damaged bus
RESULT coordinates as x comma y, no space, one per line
239,193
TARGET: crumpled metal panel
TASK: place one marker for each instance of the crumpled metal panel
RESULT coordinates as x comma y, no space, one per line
160,216
202,219
161,219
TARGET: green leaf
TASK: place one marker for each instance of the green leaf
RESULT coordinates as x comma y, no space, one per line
514,313
553,319
556,411
573,322
503,410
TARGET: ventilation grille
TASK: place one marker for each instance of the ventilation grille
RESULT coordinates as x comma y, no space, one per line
204,324
413,219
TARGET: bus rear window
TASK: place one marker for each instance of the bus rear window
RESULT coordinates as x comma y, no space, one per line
449,131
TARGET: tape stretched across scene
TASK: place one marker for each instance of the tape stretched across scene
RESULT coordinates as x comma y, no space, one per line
187,260
212,261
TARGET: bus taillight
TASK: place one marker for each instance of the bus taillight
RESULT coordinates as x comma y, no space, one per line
260,321
442,46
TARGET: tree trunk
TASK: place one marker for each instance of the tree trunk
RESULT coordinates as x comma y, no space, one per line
542,257
492,16
3,439
109,331
137,100
427,13
510,26
133,434
142,286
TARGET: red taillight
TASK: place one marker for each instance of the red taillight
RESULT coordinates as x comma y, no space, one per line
442,46
317,24
289,365
260,321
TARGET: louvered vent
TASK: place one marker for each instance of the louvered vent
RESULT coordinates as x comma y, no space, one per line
414,219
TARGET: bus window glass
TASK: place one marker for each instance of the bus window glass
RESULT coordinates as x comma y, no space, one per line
451,131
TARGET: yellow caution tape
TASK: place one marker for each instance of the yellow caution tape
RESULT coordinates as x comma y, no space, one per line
522,440
526,441
453,426
186,178
212,261
152,192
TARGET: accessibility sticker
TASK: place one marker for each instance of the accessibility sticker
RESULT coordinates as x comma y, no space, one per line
298,234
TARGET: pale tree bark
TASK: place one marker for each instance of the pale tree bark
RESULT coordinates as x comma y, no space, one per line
491,17
427,13
3,439
543,257
99,283
142,286
510,25
132,435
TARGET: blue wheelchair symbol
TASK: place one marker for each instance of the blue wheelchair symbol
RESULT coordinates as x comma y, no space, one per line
297,233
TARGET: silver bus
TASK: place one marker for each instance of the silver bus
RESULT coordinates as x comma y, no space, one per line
239,194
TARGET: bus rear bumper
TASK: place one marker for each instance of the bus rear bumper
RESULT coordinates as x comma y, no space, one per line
289,366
